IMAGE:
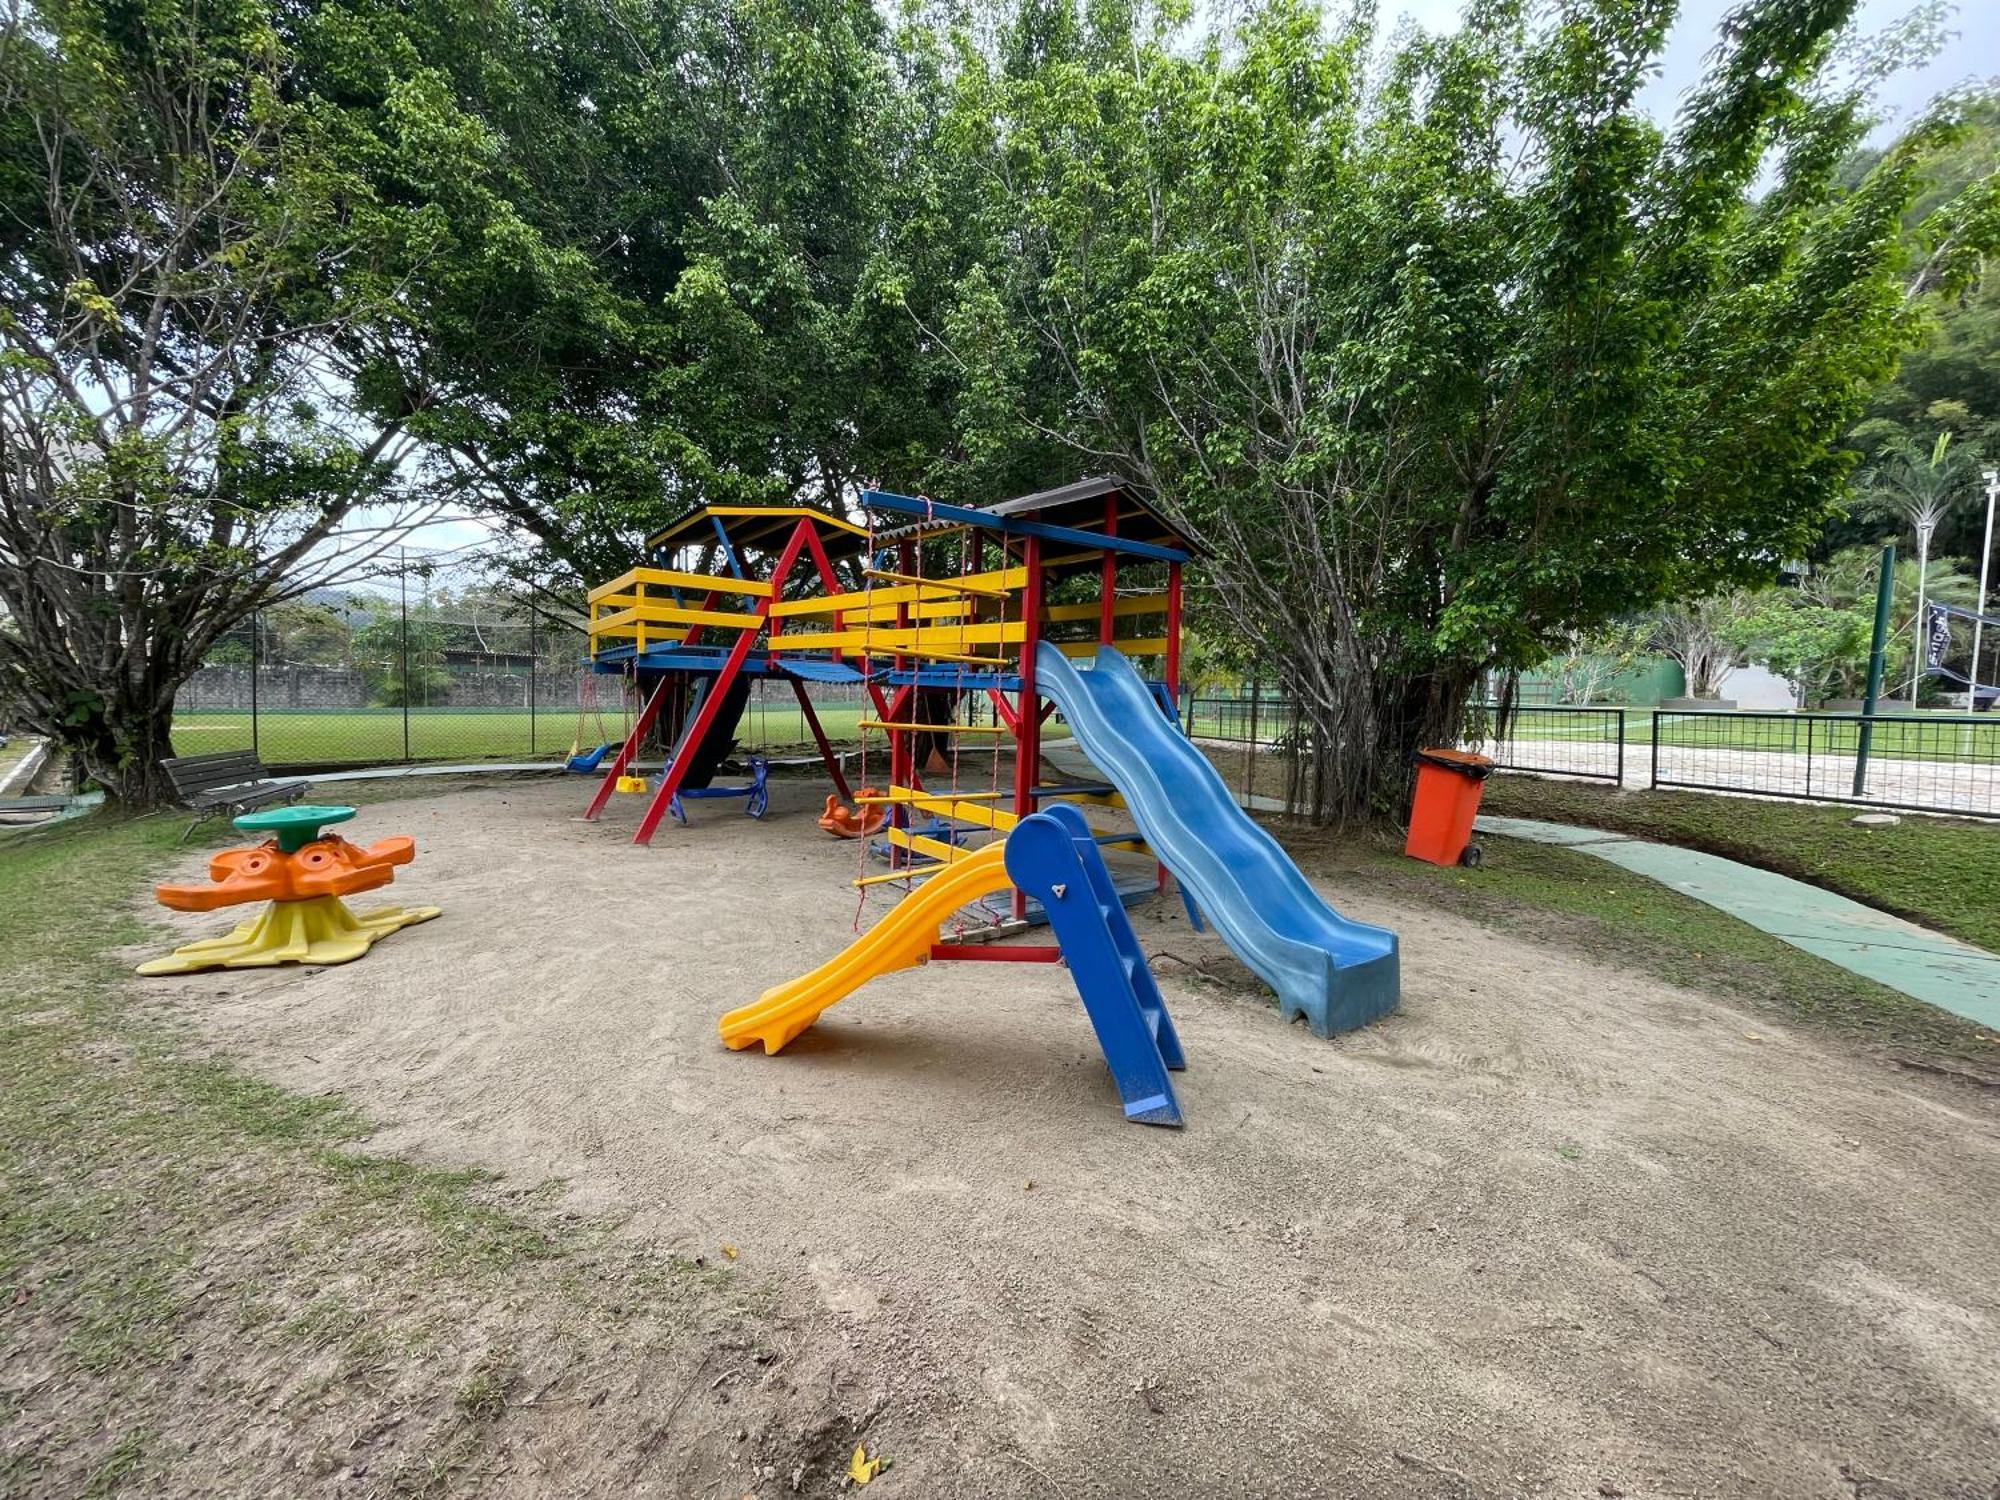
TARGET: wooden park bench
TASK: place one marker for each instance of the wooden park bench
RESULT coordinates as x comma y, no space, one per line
20,806
231,781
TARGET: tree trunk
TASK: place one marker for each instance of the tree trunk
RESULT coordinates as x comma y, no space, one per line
1352,749
121,744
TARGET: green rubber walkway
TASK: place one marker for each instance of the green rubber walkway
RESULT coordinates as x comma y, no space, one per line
1924,965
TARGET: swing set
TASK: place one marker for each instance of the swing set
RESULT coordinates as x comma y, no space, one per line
582,762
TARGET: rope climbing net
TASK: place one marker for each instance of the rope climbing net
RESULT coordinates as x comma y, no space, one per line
919,718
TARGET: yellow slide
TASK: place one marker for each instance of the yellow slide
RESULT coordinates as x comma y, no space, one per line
900,940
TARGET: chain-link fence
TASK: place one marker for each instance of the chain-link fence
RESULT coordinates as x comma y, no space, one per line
372,685
314,688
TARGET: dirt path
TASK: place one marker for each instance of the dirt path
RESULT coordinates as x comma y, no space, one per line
1551,1230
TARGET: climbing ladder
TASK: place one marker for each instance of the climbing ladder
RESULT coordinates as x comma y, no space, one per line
1053,856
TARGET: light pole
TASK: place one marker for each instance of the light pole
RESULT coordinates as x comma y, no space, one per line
1992,478
1925,526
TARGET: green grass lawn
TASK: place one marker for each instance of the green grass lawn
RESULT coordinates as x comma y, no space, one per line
1942,872
206,1289
1577,901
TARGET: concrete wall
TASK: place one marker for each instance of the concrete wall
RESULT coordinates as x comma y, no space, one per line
1758,686
282,688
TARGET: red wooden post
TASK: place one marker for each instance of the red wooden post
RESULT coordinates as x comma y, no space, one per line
902,748
709,601
987,953
1028,730
1108,575
711,701
828,581
819,738
627,751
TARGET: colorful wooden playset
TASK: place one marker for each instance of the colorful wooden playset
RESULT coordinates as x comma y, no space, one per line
937,612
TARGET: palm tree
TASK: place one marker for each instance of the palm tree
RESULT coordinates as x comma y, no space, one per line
1921,487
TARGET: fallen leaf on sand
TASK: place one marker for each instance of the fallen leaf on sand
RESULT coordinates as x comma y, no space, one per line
861,1468
730,1251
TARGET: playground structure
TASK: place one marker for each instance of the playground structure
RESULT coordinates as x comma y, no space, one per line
302,871
1034,605
927,606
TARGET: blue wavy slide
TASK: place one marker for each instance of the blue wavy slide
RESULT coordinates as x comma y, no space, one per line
1337,973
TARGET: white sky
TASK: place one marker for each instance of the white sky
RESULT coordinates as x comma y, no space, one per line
1973,54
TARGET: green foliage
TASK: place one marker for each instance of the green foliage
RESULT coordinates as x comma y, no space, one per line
683,252
1703,635
1813,645
1450,350
1920,483
1846,585
1591,661
1453,355
197,279
402,661
1945,385
302,633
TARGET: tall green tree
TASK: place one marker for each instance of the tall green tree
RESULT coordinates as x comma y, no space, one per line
696,252
196,286
1921,486
1453,355
1948,385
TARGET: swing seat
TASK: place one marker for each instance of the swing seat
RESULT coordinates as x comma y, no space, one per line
589,761
853,822
754,789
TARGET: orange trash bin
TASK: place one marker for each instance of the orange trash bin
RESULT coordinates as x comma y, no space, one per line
1448,786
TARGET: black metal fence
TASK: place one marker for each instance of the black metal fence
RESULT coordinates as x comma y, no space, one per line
1920,762
1586,742
399,682
1252,716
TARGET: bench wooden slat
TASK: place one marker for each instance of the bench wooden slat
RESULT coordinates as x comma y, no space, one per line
236,777
228,779
211,759
246,794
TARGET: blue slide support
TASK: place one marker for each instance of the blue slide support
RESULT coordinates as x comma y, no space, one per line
1337,973
1054,857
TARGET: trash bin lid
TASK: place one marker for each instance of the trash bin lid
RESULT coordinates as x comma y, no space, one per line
1464,762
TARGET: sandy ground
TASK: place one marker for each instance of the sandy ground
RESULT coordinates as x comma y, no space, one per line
1550,1230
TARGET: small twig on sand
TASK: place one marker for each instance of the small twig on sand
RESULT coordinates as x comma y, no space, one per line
1957,1075
1038,1472
658,1435
1425,1464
